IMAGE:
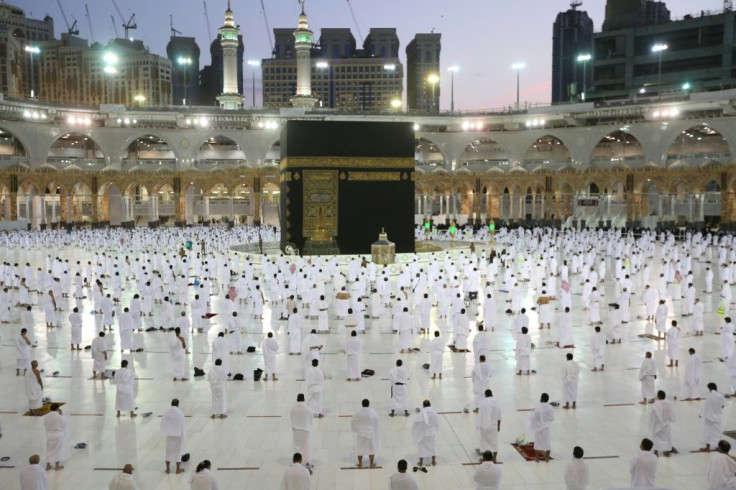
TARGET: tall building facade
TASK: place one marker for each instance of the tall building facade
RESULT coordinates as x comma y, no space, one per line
423,63
572,35
342,76
72,72
698,57
183,52
23,28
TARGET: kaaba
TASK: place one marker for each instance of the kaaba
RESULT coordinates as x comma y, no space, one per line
344,182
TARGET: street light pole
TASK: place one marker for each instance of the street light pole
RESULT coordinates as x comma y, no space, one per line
110,60
433,79
31,50
658,48
254,64
584,58
185,62
452,70
518,67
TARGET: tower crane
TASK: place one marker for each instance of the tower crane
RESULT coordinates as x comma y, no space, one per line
575,4
268,28
355,19
207,19
70,29
114,26
128,26
89,22
174,32
727,5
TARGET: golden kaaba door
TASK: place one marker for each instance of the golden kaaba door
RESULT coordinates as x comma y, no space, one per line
320,203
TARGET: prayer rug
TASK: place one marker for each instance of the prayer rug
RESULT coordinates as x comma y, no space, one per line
46,408
526,451
649,336
207,316
730,433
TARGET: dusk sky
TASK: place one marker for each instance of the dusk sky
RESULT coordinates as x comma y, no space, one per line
483,37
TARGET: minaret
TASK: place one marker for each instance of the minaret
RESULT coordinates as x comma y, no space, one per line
303,45
229,99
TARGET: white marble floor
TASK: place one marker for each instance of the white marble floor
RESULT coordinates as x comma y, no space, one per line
247,439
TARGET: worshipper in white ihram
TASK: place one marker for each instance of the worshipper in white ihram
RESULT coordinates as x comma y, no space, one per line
523,351
727,346
34,388
22,352
540,422
124,480
712,415
177,356
722,468
576,471
643,467
436,351
217,378
173,428
489,424
661,418
693,372
365,425
270,348
401,480
294,330
297,476
353,349
647,376
203,479
673,344
599,349
424,431
315,378
99,356
488,474
399,377
301,428
124,380
55,425
481,378
570,381
33,477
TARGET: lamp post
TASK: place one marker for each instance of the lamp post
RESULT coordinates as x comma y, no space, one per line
396,104
453,69
658,48
110,60
584,58
31,50
254,64
185,62
140,98
433,79
323,66
518,67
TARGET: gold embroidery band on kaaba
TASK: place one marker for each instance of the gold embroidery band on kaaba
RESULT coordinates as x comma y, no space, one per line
374,176
398,163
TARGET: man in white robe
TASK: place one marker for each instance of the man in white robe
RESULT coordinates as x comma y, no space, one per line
481,343
33,477
270,348
124,380
577,475
99,355
75,320
673,344
424,432
489,424
55,426
462,330
315,378
34,388
722,468
661,418
523,351
22,352
693,372
217,378
353,349
570,381
301,428
124,480
727,346
488,474
647,376
481,378
643,467
436,352
221,350
599,349
365,425
698,325
401,480
660,319
399,377
712,415
174,429
177,356
294,330
297,476
540,422
405,330
565,339
125,330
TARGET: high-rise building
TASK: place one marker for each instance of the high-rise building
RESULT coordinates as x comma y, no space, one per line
572,36
423,72
13,61
622,14
342,76
303,46
655,13
231,97
697,57
211,76
183,52
72,72
24,29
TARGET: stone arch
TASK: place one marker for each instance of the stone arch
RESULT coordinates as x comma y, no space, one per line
11,146
698,144
272,158
219,150
482,153
547,151
81,208
616,149
428,153
147,150
74,148
109,203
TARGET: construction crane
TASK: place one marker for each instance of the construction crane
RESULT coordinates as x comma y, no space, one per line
575,4
355,20
268,28
70,29
128,26
114,26
727,5
174,32
207,19
89,22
